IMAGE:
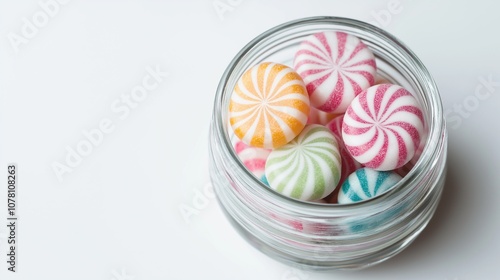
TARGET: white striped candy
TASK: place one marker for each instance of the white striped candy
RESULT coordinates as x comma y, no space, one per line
383,127
307,168
269,105
253,158
336,67
366,183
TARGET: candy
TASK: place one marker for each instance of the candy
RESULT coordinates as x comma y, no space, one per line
296,225
349,164
269,106
405,169
253,158
383,127
366,183
362,224
319,117
307,168
336,67
264,180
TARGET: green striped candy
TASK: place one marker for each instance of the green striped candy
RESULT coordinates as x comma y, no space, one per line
366,183
307,168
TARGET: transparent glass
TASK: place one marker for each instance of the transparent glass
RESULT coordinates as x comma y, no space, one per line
328,236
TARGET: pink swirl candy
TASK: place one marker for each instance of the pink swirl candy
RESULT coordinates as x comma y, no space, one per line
405,169
253,158
383,127
335,67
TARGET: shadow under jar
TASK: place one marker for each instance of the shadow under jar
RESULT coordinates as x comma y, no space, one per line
329,236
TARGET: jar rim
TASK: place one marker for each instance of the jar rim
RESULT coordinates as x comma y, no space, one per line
436,124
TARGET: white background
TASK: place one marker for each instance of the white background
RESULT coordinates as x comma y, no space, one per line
116,214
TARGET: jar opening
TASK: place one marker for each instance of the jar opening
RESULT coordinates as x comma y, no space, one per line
395,61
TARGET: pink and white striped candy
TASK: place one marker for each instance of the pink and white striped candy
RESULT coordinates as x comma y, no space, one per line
383,127
253,158
335,67
405,169
349,164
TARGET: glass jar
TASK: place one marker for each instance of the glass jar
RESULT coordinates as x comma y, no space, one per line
329,236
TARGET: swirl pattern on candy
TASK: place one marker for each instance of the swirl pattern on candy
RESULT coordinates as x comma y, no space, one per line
383,127
349,164
366,183
264,179
253,158
405,169
307,168
269,106
336,67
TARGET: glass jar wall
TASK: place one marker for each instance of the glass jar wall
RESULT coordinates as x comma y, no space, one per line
330,236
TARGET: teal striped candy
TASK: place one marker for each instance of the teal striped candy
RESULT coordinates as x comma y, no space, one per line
307,168
263,179
366,183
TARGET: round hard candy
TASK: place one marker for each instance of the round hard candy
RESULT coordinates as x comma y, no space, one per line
269,106
366,183
307,168
319,117
253,158
336,67
263,178
383,127
405,169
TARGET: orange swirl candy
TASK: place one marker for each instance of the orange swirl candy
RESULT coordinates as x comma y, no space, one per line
269,106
